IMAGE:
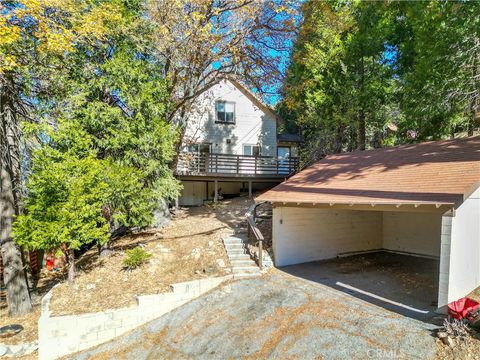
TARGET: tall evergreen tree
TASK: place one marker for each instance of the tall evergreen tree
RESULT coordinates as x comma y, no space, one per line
442,85
339,81
367,74
104,162
34,36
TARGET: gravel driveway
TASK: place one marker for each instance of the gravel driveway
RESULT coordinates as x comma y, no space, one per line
275,316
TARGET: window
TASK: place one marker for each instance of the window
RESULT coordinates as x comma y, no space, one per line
283,152
253,150
225,112
205,148
200,148
192,148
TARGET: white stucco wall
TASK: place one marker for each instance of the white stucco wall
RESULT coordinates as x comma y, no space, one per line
417,233
308,234
464,274
252,125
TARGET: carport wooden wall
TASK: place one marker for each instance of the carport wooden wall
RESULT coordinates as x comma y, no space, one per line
412,232
302,235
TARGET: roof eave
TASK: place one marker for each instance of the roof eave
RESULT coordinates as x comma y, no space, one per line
440,206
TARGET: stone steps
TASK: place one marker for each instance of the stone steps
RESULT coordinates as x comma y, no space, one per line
242,264
245,276
236,250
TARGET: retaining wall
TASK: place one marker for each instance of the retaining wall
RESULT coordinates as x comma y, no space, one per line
63,335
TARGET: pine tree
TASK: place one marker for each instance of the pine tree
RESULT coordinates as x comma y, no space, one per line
104,161
34,38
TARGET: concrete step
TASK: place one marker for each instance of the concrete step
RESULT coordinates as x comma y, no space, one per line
245,276
234,246
237,251
239,256
234,260
246,269
232,241
230,238
241,262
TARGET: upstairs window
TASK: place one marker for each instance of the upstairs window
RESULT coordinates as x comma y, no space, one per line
252,150
225,112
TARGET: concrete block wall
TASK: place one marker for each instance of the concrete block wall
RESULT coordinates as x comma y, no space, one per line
412,232
464,272
308,234
444,262
63,335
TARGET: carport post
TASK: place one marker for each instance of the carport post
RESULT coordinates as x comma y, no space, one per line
215,194
250,188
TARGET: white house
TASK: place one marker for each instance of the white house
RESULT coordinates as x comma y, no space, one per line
420,199
231,144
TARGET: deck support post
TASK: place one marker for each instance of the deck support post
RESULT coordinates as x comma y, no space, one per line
215,194
250,189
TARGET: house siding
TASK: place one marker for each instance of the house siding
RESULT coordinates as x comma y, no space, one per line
252,124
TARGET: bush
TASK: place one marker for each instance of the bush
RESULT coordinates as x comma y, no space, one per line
136,257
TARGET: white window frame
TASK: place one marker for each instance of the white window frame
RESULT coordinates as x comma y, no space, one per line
252,146
224,121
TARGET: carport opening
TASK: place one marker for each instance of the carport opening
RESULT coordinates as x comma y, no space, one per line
388,258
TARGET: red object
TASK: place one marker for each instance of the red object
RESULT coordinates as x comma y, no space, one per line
50,263
463,308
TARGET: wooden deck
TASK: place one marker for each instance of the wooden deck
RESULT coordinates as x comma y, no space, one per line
235,166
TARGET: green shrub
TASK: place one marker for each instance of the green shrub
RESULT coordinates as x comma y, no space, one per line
136,257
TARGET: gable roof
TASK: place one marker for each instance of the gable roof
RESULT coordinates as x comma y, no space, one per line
254,98
438,172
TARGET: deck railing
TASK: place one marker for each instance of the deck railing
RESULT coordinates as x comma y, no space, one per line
211,163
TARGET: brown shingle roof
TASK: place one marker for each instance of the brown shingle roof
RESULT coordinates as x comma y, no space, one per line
437,172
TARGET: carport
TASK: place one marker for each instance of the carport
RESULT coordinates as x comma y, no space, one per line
406,202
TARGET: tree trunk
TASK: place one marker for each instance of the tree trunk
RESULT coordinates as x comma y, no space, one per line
361,135
18,297
71,267
361,130
474,100
179,142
